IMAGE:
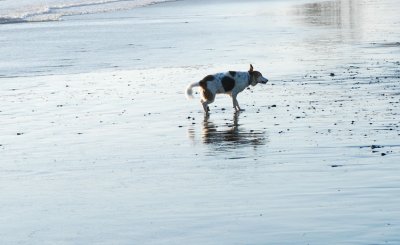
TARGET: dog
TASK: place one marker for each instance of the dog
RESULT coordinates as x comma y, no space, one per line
232,83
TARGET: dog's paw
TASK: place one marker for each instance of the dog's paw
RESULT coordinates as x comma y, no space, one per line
239,109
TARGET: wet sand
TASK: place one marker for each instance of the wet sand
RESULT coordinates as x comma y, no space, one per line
117,155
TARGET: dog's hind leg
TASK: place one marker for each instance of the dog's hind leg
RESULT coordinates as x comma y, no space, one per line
208,98
204,103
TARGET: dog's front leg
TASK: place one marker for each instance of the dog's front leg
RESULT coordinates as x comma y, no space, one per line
235,103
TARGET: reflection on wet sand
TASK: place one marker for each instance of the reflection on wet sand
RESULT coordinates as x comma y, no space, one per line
335,22
338,13
229,136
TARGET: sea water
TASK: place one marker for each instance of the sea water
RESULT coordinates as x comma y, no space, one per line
76,36
37,38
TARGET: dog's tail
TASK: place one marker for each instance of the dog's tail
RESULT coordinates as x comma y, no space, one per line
189,89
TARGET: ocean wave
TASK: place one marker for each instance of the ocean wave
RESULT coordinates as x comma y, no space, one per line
5,20
54,10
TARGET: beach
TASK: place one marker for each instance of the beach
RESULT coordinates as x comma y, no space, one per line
100,146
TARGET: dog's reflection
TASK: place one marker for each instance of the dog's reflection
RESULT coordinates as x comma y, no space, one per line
229,135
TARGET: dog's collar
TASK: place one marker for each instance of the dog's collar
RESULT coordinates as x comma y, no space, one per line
249,79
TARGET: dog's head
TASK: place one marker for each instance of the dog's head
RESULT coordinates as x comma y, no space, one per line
256,77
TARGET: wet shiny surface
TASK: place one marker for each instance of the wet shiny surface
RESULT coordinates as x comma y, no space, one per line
119,156
230,135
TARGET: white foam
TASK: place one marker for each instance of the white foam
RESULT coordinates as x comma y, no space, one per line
51,10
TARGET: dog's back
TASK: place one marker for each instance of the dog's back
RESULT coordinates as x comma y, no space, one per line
228,82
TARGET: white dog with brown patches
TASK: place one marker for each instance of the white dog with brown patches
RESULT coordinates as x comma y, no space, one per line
232,83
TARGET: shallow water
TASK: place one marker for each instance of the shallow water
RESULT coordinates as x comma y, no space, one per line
117,155
286,37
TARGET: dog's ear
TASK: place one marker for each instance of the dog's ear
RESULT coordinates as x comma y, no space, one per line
251,68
